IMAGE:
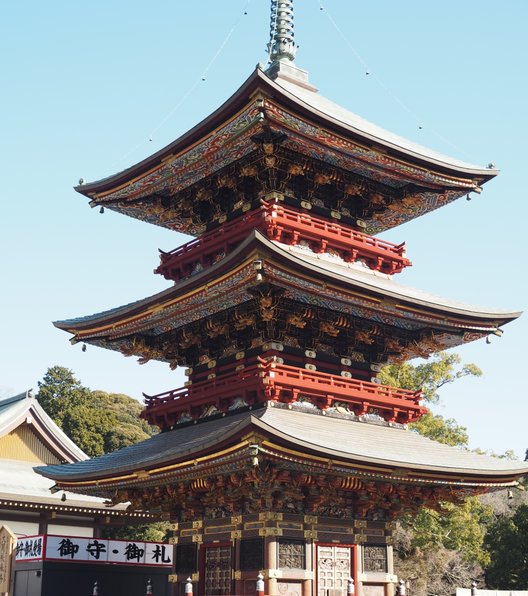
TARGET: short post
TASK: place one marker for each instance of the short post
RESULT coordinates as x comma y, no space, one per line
149,588
473,588
95,591
188,587
350,587
402,591
260,585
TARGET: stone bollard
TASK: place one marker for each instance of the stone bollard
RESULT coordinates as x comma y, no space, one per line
350,587
95,591
149,588
188,587
260,585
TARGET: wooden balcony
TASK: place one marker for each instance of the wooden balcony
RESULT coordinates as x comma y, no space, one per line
288,226
269,381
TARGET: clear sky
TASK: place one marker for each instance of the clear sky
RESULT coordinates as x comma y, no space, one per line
89,88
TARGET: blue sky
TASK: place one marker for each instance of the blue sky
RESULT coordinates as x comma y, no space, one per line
89,88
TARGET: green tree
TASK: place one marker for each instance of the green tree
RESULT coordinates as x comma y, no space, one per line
154,532
59,391
98,422
459,527
442,369
130,427
438,551
507,544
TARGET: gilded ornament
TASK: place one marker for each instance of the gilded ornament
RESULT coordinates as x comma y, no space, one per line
329,328
296,169
242,321
249,171
296,321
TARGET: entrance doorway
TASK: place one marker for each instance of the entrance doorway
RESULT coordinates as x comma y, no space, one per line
335,564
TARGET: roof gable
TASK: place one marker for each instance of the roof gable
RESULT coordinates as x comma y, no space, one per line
22,414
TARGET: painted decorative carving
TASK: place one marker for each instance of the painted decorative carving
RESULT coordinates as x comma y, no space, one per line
291,554
374,558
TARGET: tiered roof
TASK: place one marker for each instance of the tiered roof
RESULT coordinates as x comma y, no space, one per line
301,441
420,322
372,175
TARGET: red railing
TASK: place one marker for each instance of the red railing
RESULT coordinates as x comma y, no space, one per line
284,225
269,381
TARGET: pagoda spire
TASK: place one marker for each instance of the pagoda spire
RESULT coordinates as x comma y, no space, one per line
281,46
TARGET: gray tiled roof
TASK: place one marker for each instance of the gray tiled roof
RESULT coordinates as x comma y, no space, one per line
332,111
18,482
342,438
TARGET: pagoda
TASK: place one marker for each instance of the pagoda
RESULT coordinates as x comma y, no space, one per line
283,454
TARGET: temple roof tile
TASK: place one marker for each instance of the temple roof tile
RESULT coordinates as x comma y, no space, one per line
340,439
335,271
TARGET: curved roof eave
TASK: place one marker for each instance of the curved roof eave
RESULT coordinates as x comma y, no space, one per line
154,451
198,131
340,274
350,441
387,287
409,450
313,105
326,111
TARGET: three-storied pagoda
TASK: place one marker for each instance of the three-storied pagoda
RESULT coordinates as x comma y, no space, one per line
282,453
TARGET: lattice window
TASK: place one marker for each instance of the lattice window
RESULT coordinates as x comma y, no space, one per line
292,554
375,558
186,558
217,570
251,554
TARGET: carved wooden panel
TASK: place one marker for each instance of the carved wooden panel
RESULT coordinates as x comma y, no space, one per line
375,558
334,567
217,570
291,554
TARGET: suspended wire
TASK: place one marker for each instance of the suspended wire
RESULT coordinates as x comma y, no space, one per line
191,89
370,73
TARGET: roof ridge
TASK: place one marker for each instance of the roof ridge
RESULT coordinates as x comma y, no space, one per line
14,398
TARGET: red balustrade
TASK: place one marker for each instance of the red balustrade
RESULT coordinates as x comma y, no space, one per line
284,225
269,381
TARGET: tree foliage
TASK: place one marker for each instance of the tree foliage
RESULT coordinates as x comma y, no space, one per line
439,551
442,369
98,422
436,571
507,544
154,532
459,527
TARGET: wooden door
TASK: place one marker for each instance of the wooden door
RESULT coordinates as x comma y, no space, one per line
334,568
217,570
